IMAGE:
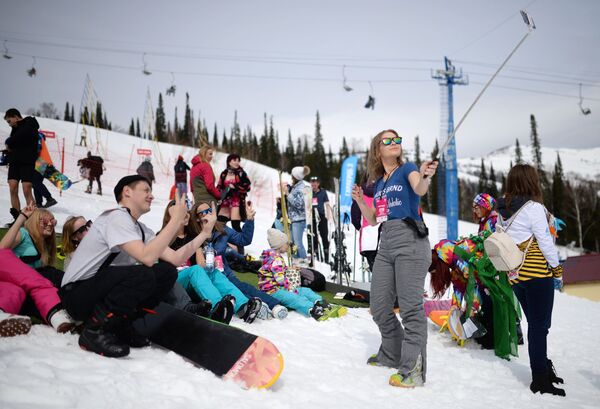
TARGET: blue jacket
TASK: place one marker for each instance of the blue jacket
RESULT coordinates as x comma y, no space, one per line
243,238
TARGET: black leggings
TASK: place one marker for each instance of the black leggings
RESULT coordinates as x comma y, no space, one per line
123,289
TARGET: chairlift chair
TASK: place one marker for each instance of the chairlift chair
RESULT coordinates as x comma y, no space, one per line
346,87
5,53
584,111
371,101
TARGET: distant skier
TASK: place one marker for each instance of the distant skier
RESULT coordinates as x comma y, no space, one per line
92,167
181,168
146,170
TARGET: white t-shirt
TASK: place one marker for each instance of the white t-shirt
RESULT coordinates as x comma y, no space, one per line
110,230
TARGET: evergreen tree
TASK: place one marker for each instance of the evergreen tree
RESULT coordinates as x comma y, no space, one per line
518,153
67,113
288,162
161,120
137,128
305,150
85,117
187,131
431,198
215,141
132,128
537,160
176,130
236,134
264,141
417,152
99,117
483,185
493,187
72,113
559,195
225,143
298,153
344,151
316,158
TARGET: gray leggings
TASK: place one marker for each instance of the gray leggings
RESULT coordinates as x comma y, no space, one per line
399,272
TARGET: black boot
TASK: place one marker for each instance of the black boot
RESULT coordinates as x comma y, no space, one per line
552,373
128,335
541,383
224,310
99,334
251,310
202,308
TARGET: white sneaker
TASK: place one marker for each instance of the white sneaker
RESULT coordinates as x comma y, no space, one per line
12,324
263,313
279,312
61,321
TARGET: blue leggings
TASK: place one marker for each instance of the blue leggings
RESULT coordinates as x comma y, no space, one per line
210,286
301,302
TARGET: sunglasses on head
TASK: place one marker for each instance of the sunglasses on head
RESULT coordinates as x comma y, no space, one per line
83,228
397,140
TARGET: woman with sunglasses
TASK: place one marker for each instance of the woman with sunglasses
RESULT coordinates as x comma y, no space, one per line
74,230
403,257
30,243
209,284
221,238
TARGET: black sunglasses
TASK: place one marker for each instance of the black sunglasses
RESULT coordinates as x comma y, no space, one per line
83,228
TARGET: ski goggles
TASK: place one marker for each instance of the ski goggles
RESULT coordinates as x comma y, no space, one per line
83,228
397,140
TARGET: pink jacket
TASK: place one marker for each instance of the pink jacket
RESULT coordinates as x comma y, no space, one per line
204,171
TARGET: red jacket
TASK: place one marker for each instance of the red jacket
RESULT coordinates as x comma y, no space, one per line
204,171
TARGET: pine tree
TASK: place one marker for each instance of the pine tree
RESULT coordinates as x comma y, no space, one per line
289,153
72,113
176,130
236,134
161,120
137,128
559,195
305,150
215,141
518,153
344,151
483,184
67,113
85,117
537,160
316,158
132,128
493,187
264,141
298,152
417,152
99,117
431,198
225,143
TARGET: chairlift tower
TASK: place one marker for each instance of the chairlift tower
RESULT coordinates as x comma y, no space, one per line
89,102
448,173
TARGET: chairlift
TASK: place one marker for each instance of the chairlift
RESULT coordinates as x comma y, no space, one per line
584,111
171,90
371,101
32,72
5,53
145,69
346,87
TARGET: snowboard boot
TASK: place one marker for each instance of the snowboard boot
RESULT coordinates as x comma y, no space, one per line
50,202
99,334
373,361
201,309
318,313
88,190
224,309
265,312
541,383
128,335
552,373
12,324
99,192
60,320
279,312
252,308
14,213
410,380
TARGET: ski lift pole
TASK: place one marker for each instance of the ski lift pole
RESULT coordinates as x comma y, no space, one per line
531,26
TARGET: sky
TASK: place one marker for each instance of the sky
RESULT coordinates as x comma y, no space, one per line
287,59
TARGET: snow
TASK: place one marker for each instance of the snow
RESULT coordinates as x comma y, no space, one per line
324,361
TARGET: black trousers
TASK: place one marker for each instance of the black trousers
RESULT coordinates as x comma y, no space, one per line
123,290
323,232
39,189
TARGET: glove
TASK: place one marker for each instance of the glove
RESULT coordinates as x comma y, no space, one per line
557,271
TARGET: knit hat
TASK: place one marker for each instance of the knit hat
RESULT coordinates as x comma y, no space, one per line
300,172
276,238
485,201
126,181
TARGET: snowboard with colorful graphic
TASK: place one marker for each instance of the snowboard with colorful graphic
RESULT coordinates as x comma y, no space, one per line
226,351
48,171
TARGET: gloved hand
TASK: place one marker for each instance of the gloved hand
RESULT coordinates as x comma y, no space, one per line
557,271
558,284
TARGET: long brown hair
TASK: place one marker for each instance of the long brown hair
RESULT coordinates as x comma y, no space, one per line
441,275
68,231
523,181
46,246
204,152
375,168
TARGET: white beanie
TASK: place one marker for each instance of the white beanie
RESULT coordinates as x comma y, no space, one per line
276,238
300,172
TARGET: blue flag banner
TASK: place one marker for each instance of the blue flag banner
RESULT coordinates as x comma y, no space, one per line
347,180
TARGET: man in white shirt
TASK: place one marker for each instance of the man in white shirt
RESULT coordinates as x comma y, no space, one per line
115,274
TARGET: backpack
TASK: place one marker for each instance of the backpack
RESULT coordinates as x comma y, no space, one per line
502,251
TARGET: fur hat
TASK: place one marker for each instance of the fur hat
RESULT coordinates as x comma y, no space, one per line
276,238
300,172
485,201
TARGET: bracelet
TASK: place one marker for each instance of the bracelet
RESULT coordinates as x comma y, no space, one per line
24,215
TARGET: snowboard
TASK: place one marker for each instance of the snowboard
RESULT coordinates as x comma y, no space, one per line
228,352
48,171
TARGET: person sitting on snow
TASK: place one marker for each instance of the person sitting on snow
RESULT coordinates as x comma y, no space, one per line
273,279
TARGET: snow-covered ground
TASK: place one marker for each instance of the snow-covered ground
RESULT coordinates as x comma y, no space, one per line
324,361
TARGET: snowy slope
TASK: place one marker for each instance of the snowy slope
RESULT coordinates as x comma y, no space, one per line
324,362
582,163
